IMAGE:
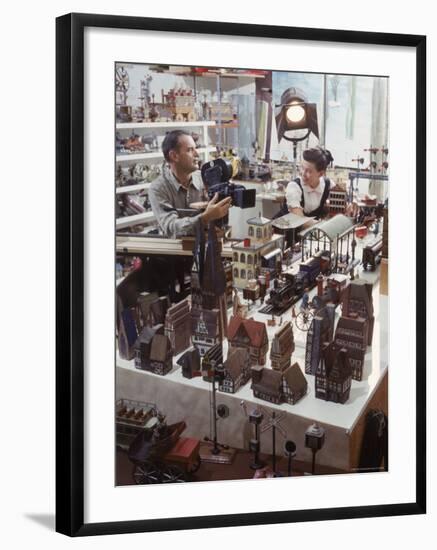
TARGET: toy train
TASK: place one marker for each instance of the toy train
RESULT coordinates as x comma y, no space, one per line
372,254
290,289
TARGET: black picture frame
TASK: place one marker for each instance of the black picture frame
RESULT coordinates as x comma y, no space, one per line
70,272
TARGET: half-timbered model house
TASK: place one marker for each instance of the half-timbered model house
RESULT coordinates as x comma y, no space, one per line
282,347
205,329
279,387
333,377
321,331
161,355
178,326
357,299
236,370
249,334
351,334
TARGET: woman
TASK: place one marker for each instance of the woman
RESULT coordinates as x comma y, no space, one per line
307,195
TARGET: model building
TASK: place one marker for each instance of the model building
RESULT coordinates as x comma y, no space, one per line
205,325
249,334
351,334
143,346
321,331
161,355
279,387
282,347
190,363
250,254
236,370
357,299
334,375
337,200
178,326
211,359
208,281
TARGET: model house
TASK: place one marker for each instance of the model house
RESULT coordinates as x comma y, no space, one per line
351,334
236,370
178,326
334,375
251,335
279,387
205,329
161,355
282,347
357,299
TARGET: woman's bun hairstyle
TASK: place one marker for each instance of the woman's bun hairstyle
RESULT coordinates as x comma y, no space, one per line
321,158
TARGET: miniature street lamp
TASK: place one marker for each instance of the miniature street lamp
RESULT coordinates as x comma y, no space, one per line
290,451
314,440
255,418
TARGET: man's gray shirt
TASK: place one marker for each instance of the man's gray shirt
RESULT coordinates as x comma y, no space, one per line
166,195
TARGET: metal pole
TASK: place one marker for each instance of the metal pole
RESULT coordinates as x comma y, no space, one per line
274,443
215,449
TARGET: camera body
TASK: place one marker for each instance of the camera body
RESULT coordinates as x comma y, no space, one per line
216,175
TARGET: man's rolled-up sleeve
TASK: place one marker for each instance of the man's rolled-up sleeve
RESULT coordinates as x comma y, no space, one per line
167,216
293,195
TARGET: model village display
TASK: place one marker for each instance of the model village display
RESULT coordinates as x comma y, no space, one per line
237,326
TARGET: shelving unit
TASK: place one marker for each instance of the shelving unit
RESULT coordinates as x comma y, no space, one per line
155,154
147,217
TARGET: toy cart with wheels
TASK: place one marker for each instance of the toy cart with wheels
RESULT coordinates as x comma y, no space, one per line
160,455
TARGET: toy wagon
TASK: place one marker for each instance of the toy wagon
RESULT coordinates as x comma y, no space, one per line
160,455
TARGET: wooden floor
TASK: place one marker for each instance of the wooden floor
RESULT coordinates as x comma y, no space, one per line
239,469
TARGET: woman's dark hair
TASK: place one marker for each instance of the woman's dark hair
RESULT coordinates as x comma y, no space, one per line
171,142
321,158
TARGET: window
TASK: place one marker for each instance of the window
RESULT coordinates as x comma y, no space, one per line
235,256
259,233
235,272
250,274
243,258
243,273
250,231
249,259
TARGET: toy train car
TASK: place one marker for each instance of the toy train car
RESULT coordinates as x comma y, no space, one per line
288,291
372,254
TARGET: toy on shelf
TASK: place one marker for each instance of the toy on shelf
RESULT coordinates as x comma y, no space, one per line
190,363
282,347
210,360
143,346
320,331
372,254
255,252
357,300
161,355
131,417
178,326
278,387
249,334
236,370
351,334
333,376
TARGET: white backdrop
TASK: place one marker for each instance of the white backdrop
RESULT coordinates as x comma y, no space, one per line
27,97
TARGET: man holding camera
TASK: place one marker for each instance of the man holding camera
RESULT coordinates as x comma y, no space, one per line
180,186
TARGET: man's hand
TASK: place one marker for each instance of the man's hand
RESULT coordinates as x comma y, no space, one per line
216,210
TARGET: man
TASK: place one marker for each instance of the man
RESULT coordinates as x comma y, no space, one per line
179,186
